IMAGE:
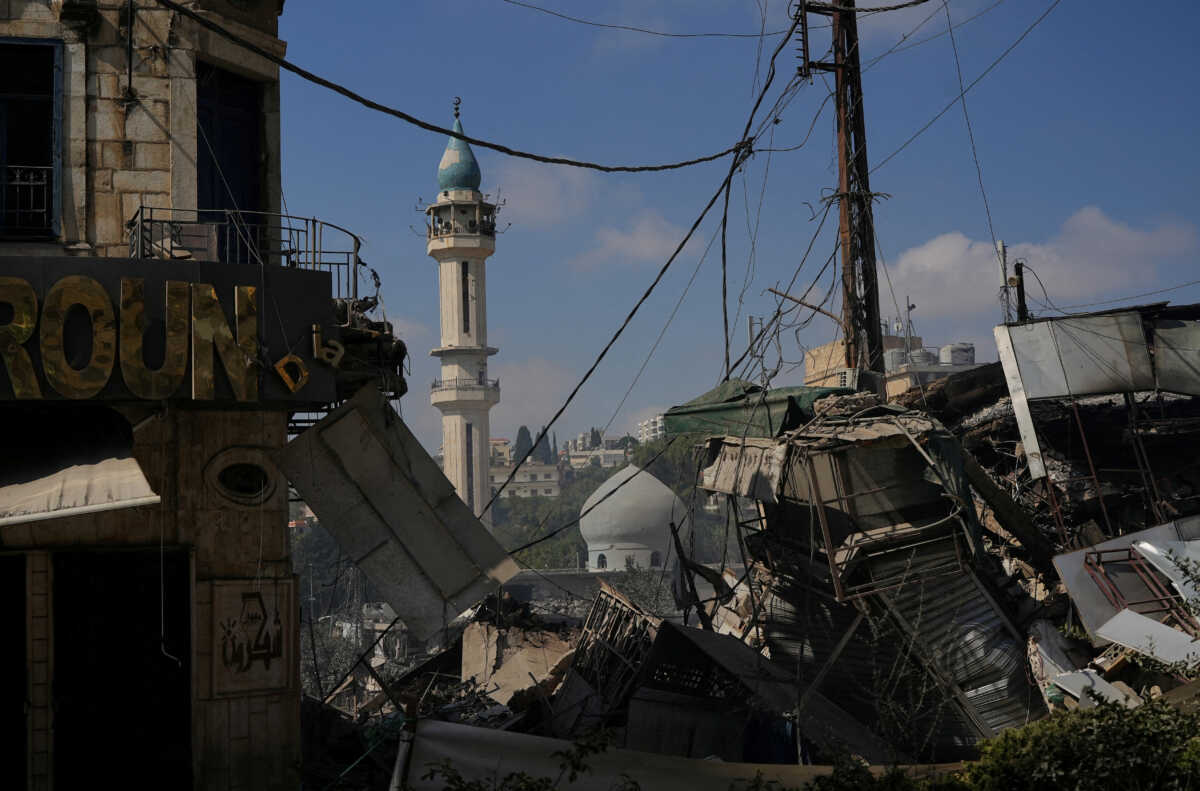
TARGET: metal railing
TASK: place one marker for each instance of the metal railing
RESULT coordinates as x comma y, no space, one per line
26,200
439,228
466,383
249,237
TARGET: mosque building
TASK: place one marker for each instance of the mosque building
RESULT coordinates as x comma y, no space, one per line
632,526
461,234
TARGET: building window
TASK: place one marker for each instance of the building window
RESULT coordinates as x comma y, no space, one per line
466,296
601,562
470,468
547,491
30,134
546,476
655,559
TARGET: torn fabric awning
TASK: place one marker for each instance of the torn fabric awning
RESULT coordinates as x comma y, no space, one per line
76,489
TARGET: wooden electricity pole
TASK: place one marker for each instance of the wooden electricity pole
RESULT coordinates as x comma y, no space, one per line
860,287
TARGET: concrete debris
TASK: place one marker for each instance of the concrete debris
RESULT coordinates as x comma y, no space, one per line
508,661
394,513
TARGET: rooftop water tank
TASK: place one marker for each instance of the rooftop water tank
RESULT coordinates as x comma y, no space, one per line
893,359
957,354
922,357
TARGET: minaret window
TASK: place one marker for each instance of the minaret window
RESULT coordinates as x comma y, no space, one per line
470,468
466,296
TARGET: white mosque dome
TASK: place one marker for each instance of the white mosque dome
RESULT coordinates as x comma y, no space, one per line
633,525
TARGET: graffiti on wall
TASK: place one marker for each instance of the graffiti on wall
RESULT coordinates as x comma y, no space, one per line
252,635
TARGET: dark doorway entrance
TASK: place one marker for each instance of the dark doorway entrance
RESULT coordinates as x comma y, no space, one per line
13,719
122,694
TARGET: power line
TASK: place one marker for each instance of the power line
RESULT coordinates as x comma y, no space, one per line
661,334
738,159
621,329
1175,287
962,99
971,85
596,504
635,29
739,147
933,37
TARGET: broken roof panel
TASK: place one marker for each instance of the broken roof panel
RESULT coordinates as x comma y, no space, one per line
1093,606
1177,355
1081,355
394,513
744,409
1147,636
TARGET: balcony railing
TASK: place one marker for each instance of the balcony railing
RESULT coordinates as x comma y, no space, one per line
26,200
439,228
249,237
466,383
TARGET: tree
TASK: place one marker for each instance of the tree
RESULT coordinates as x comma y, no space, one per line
594,439
542,453
523,444
554,446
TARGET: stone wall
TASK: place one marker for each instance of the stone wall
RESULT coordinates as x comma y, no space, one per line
122,149
244,736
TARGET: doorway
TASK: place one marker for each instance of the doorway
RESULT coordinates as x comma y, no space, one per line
14,722
122,669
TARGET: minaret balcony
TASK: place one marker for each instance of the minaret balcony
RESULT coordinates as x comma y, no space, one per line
464,389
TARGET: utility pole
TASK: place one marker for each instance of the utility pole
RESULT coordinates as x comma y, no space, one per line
860,286
1022,308
1002,255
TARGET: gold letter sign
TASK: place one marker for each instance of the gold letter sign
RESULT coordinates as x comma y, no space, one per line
21,297
140,380
63,295
209,328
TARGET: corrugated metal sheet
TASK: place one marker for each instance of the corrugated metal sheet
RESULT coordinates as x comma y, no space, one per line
969,639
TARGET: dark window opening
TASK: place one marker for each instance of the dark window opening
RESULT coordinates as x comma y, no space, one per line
466,296
655,559
245,480
470,468
601,562
108,625
13,719
30,81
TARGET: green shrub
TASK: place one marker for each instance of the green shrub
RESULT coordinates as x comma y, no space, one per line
1107,747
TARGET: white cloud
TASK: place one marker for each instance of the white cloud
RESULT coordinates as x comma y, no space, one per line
649,237
410,331
1092,255
539,196
530,392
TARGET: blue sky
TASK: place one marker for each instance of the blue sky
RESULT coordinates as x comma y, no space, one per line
1085,133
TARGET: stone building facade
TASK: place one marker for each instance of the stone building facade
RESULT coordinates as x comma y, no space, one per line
119,143
154,640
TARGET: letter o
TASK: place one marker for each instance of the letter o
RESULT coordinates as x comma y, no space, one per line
63,295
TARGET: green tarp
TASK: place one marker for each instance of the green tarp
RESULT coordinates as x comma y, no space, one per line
741,408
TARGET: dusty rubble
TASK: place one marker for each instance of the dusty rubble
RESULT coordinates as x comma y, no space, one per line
918,577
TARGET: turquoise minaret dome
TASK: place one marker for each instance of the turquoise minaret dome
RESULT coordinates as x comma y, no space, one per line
458,169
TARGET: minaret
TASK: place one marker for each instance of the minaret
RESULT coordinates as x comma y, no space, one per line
462,234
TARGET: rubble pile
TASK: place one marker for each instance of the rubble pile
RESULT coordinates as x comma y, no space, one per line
918,576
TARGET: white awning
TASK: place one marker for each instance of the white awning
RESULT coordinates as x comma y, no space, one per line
76,489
